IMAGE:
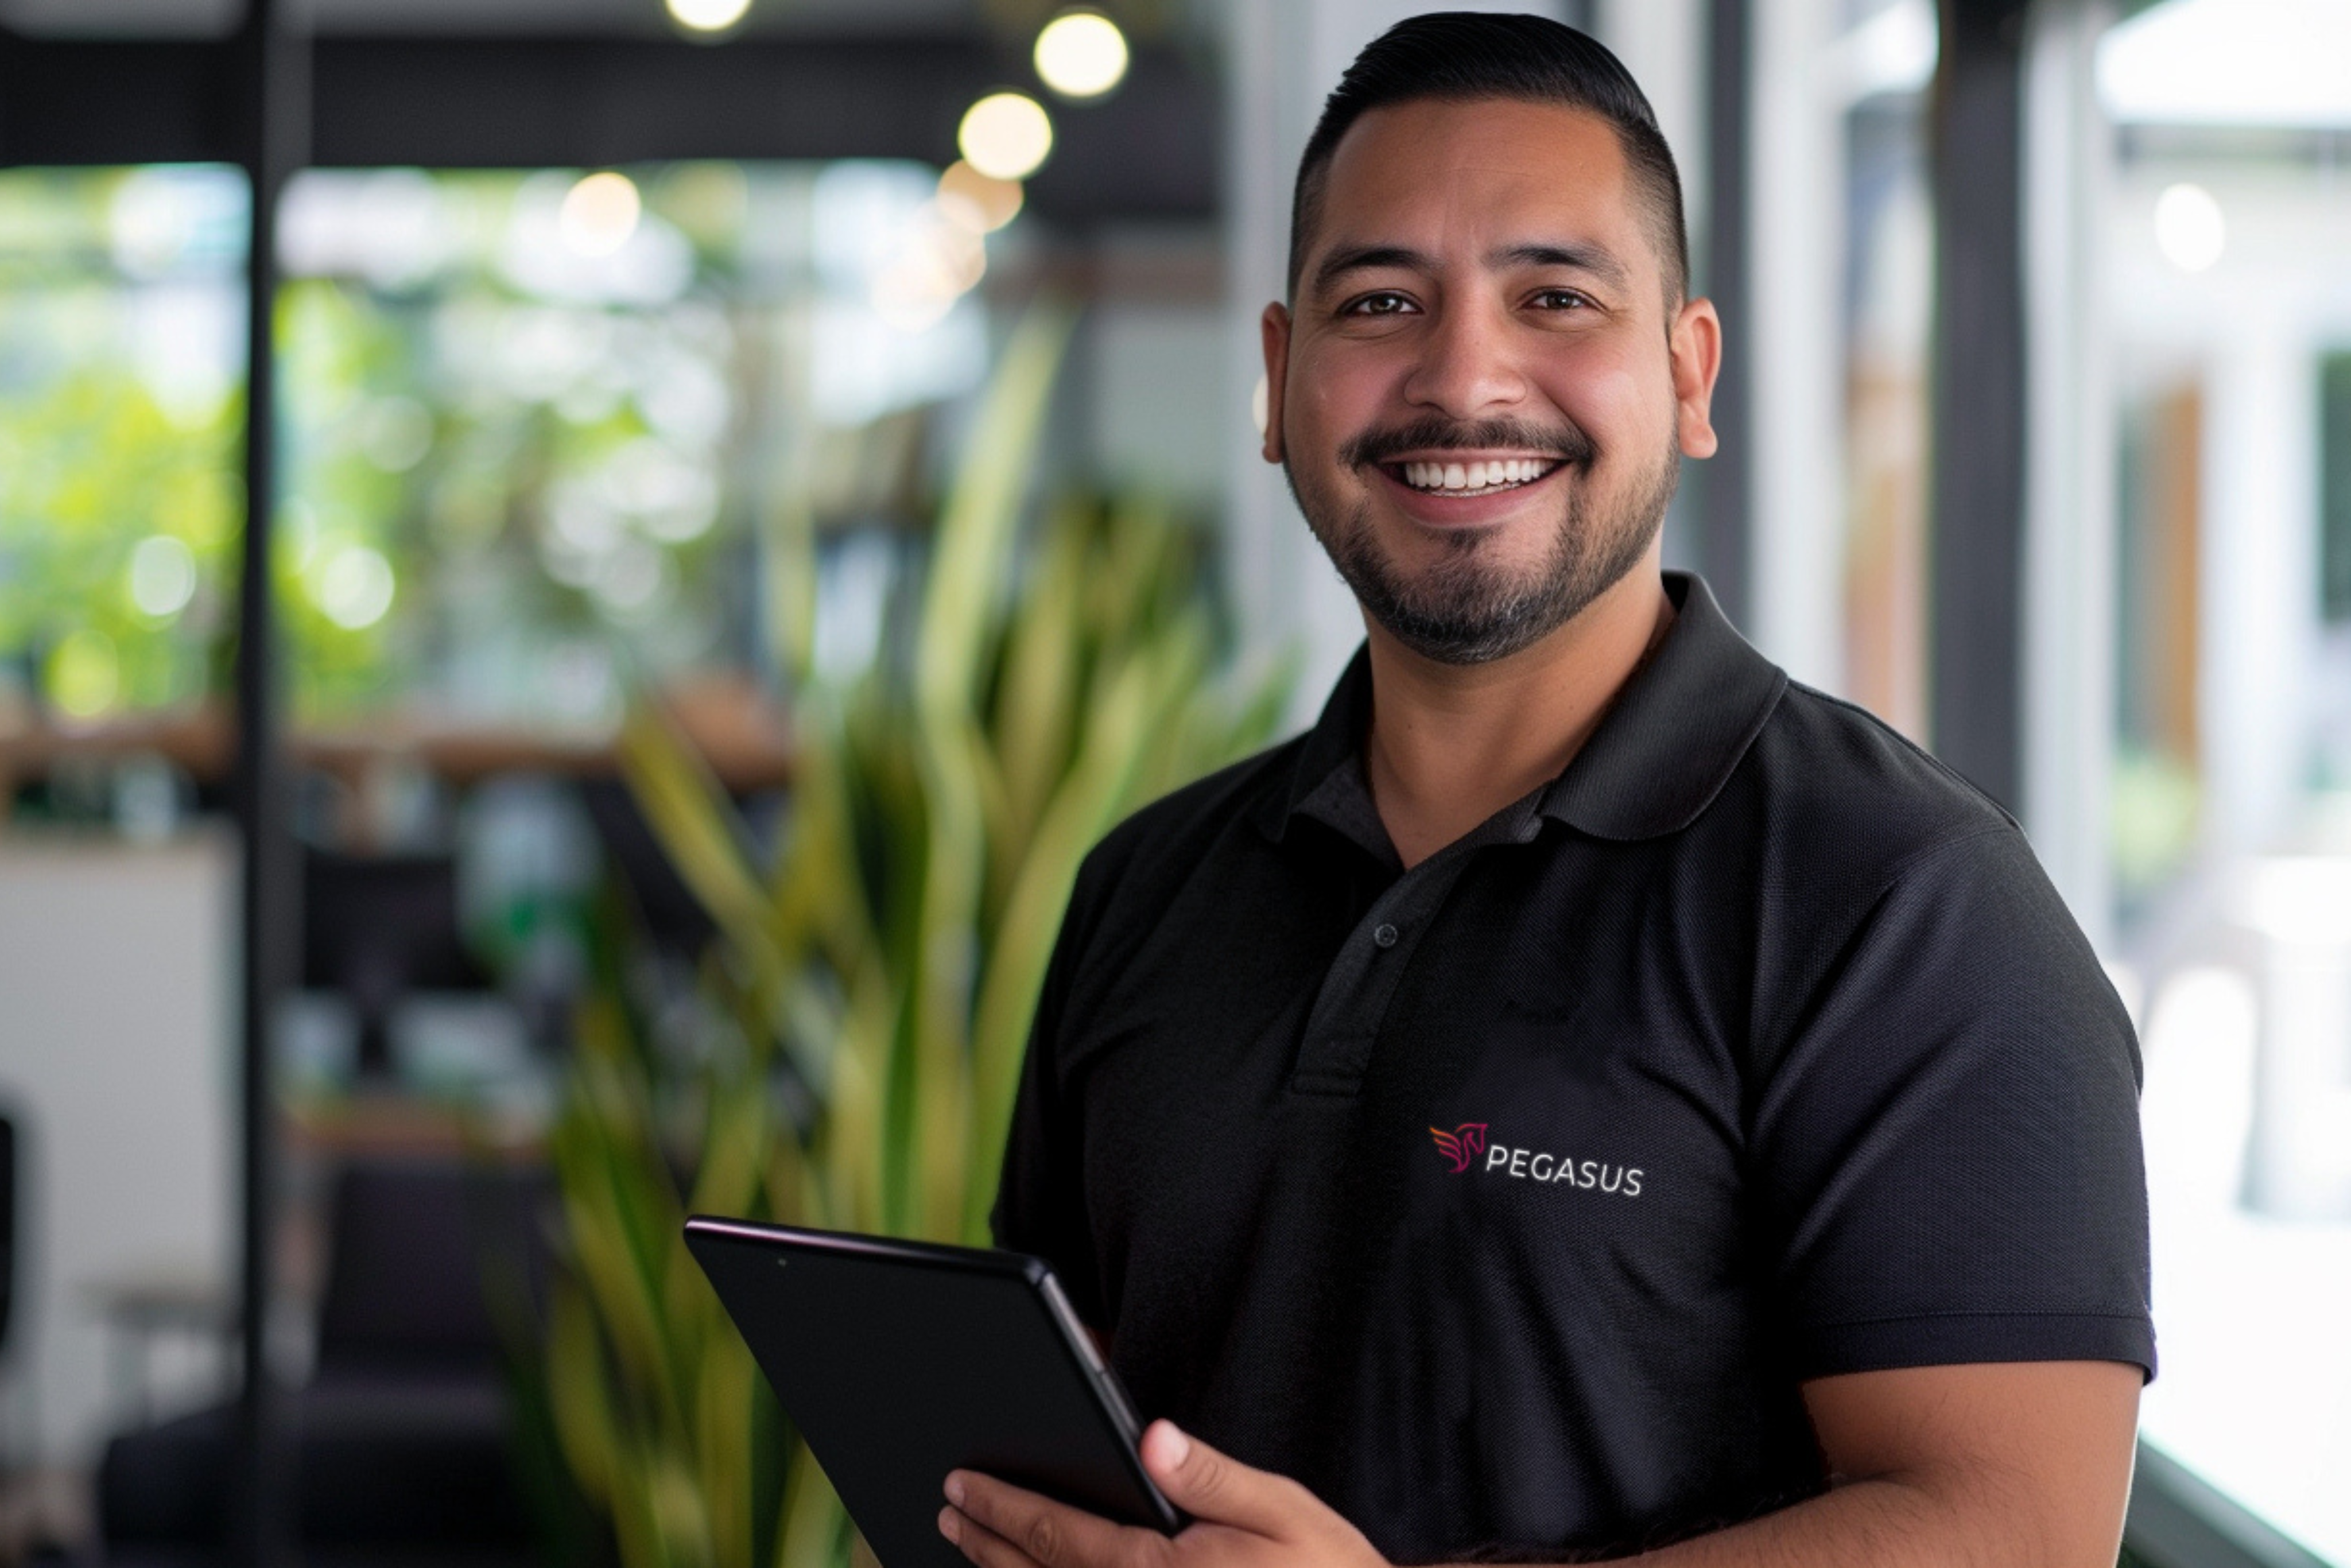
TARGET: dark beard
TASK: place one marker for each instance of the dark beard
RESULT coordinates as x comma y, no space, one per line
1463,610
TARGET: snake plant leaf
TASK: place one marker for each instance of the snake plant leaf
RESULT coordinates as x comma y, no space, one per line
790,560
579,1395
1037,697
696,823
723,1445
814,1523
892,951
697,827
967,586
1117,738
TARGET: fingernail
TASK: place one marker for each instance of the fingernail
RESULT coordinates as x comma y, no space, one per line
950,1523
955,1489
1179,1447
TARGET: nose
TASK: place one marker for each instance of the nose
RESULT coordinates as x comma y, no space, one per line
1466,368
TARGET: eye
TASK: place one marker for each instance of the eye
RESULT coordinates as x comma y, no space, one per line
1386,302
1558,300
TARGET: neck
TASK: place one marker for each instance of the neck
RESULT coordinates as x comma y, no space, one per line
1451,745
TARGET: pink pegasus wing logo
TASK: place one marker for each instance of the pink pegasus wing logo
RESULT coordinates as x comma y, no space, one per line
1462,1145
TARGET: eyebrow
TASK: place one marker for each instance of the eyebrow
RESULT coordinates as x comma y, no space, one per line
1403,258
1589,258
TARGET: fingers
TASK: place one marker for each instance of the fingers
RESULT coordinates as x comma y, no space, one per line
1218,1488
982,1545
1001,1526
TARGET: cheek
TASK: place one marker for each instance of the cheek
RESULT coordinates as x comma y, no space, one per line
1338,389
1613,395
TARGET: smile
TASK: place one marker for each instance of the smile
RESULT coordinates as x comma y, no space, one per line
1485,477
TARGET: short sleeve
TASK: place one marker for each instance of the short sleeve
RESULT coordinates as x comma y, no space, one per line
1041,1206
1947,1147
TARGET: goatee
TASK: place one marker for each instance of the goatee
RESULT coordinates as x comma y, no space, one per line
1466,610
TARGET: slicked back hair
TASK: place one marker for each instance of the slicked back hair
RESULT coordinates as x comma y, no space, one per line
1463,56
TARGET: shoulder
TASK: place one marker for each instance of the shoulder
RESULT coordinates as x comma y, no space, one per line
1842,800
1183,832
1886,887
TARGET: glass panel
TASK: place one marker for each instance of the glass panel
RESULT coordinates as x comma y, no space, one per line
540,423
121,347
2226,315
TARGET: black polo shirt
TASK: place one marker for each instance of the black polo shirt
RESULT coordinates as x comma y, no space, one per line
1506,1201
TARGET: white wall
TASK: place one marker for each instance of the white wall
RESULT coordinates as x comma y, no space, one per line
115,967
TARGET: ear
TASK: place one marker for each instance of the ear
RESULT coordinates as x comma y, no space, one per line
1695,346
1273,327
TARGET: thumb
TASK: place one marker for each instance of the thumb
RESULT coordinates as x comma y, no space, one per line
1219,1488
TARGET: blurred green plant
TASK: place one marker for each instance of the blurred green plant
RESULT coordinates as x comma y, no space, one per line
876,979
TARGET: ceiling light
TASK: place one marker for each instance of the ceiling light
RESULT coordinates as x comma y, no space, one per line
1082,54
600,213
1005,135
976,201
2230,62
709,16
2189,227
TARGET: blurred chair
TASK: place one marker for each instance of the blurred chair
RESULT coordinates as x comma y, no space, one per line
400,1442
9,1188
8,1185
378,927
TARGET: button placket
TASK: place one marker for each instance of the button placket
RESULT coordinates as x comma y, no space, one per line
1344,1024
1345,1021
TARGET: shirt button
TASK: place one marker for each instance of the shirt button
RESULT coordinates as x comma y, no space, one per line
1386,936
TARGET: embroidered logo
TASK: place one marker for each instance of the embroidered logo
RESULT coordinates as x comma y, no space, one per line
1462,1145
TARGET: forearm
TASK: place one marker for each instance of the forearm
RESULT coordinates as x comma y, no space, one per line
1866,1524
1892,1524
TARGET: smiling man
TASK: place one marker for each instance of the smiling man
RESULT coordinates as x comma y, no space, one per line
1589,1097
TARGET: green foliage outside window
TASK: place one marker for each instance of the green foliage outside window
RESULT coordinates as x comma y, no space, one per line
120,505
511,473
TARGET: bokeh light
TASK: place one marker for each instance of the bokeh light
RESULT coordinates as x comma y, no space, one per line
600,213
1005,135
85,674
1080,54
943,262
355,590
162,576
976,202
2189,227
709,16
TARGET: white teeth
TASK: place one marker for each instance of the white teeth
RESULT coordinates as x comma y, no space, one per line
1473,476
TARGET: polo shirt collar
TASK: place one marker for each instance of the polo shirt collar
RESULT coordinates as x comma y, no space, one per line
1666,748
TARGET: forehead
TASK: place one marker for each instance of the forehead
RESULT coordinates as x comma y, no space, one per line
1421,170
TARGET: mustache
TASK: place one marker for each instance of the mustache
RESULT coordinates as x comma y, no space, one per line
1434,432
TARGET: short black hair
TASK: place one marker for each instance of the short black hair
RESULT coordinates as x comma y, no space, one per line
1459,55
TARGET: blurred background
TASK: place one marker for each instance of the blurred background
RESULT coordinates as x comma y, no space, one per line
743,495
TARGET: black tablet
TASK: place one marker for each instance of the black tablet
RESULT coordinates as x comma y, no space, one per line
900,1361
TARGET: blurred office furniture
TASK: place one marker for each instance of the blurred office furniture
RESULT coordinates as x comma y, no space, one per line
7,1227
378,927
399,1441
7,1274
2298,1159
149,1306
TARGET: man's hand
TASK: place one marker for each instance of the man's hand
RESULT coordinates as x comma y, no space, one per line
1241,1518
2016,1466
